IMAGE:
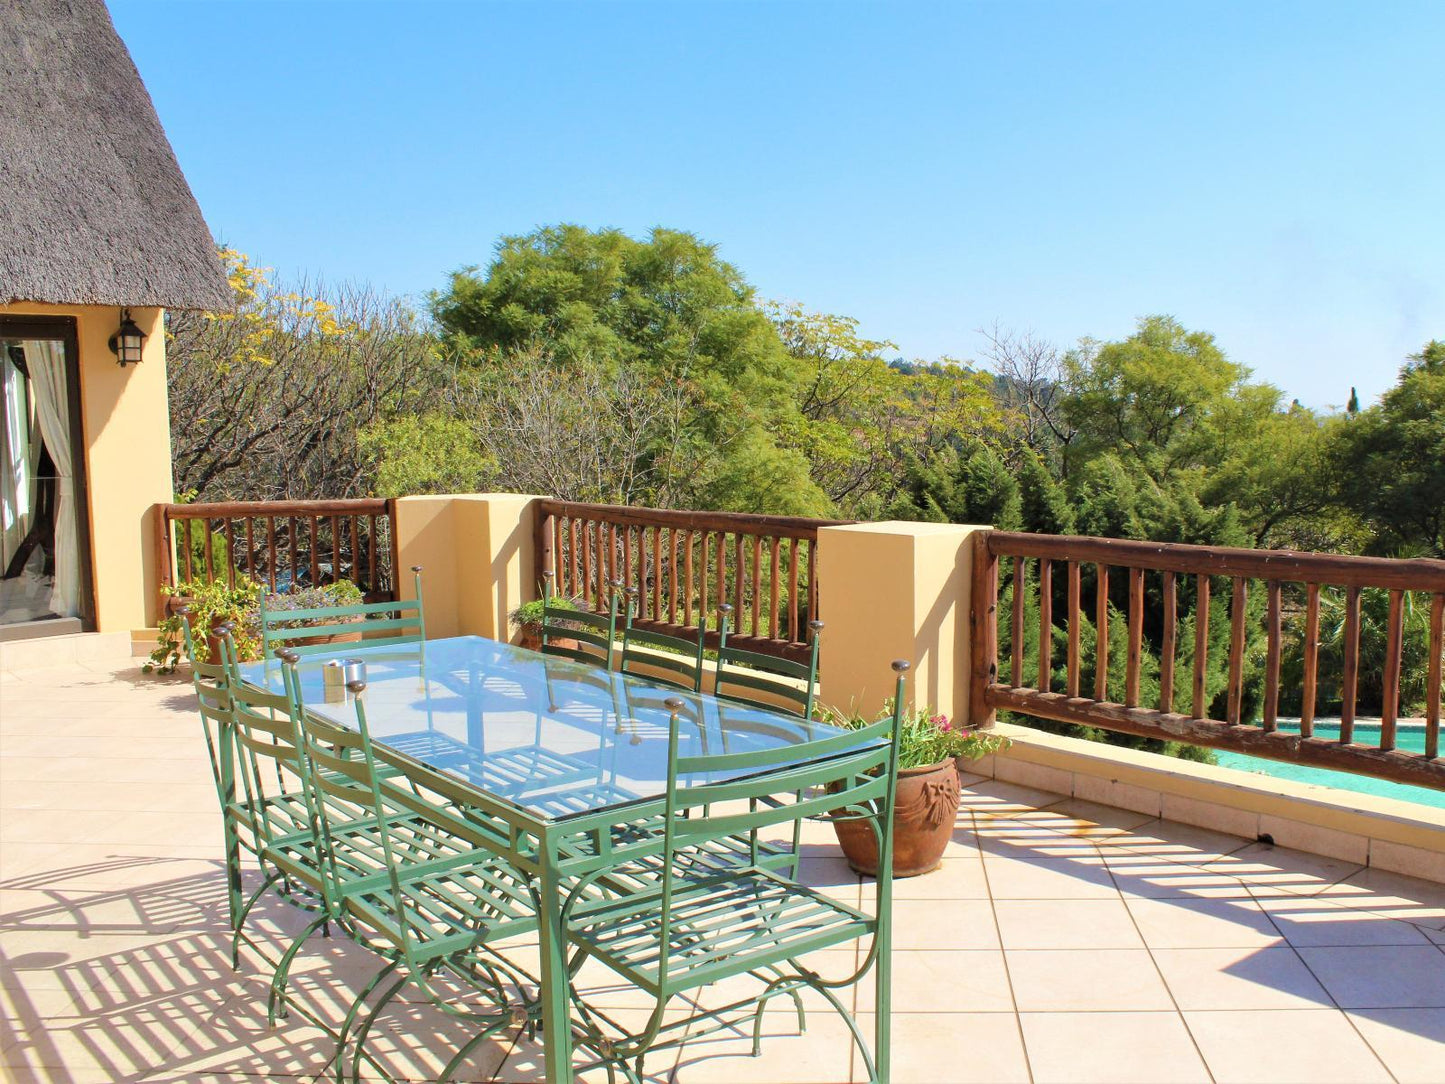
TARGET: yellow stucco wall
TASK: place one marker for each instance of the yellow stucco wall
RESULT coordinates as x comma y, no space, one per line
475,550
895,591
128,457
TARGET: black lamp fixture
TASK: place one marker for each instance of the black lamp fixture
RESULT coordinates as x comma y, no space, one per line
126,343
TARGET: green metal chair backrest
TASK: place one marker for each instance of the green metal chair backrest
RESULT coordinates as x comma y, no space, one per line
342,767
660,657
267,762
212,683
380,624
594,634
849,773
766,681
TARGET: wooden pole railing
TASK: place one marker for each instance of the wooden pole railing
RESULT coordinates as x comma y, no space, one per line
280,544
681,566
1139,583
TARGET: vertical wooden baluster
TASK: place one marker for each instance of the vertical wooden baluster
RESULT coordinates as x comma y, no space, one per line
1311,660
1349,679
1201,648
722,568
585,542
738,568
371,577
558,555
657,573
250,552
1394,635
1168,648
812,581
794,633
293,544
1101,633
336,548
1016,626
687,578
315,552
210,558
355,560
1236,649
1046,623
186,546
1073,661
271,550
1271,664
773,544
1136,637
230,553
757,582
1433,690
672,575
703,579
574,578
627,572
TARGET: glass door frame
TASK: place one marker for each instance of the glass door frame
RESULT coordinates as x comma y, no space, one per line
63,329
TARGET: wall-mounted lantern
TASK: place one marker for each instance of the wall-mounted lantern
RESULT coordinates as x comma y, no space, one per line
126,343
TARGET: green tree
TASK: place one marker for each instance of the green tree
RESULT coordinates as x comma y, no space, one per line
1389,460
665,309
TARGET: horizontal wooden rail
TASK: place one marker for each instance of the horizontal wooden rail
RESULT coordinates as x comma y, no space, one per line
281,544
677,568
1223,685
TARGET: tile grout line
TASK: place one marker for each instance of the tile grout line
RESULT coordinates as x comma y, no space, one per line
1003,954
1320,982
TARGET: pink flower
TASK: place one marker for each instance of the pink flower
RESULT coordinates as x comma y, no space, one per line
941,721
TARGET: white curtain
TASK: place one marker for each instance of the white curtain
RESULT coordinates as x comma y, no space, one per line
17,495
46,361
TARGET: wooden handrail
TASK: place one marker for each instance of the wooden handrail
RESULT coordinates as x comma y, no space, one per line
1026,690
280,542
1410,574
678,568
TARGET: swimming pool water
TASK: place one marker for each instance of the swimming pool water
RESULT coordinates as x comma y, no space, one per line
1411,738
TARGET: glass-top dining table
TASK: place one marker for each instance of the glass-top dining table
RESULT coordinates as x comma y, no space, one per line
545,744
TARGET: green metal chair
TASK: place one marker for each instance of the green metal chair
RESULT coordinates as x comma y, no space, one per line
381,624
594,635
660,657
693,928
212,684
766,681
435,887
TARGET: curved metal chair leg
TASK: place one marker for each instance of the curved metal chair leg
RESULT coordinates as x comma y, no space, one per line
277,998
470,1045
382,1002
243,914
355,1011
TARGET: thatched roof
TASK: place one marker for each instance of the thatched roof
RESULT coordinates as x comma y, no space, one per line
93,207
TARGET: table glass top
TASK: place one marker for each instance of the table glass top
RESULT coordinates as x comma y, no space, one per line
550,736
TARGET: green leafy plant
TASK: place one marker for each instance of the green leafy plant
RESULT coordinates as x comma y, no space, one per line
927,738
340,593
529,614
208,604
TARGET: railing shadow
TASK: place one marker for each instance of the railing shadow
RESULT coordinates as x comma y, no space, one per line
135,982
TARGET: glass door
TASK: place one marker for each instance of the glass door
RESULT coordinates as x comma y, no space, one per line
45,585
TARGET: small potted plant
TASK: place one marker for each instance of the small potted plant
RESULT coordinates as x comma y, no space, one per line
339,593
931,749
526,619
208,605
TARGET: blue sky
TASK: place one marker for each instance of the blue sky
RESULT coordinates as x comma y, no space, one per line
1274,173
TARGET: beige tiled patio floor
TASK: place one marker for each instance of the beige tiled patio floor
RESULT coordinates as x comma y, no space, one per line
1059,942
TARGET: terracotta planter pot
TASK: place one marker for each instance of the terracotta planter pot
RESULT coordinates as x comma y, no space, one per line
924,811
327,638
531,639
